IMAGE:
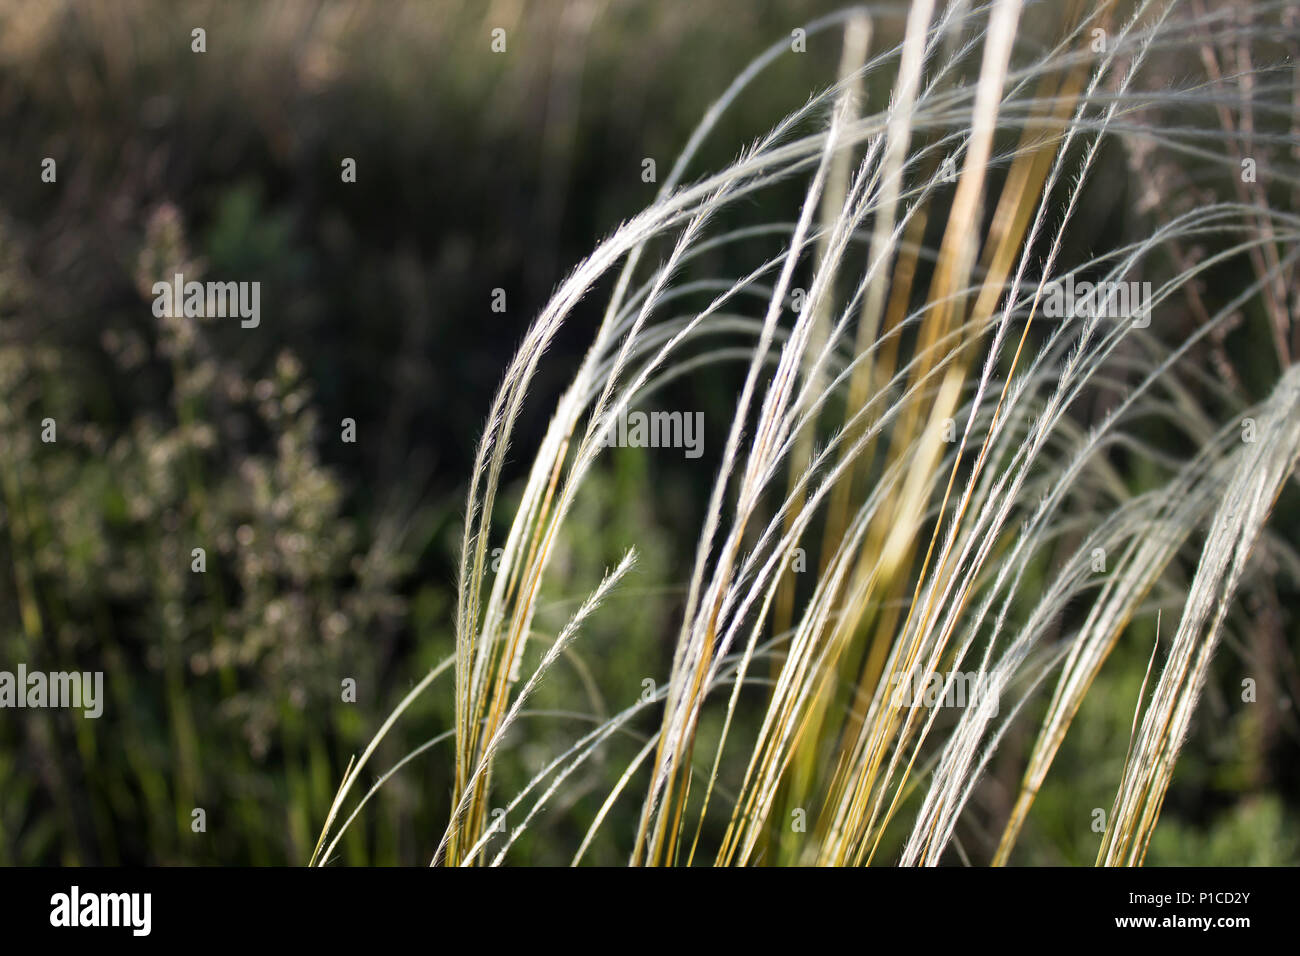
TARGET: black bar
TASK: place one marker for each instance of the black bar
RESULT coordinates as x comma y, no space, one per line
596,909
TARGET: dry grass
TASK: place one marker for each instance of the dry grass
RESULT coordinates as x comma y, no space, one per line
930,445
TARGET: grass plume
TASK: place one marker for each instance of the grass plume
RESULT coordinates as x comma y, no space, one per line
960,462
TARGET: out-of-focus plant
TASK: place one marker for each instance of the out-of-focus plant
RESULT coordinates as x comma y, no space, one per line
198,556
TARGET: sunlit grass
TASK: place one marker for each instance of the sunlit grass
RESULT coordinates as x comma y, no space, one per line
951,462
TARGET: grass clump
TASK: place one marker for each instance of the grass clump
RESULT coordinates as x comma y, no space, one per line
925,475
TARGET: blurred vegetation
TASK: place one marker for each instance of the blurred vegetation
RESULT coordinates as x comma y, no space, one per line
328,560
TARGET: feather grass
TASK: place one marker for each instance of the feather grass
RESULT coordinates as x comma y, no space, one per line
928,544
